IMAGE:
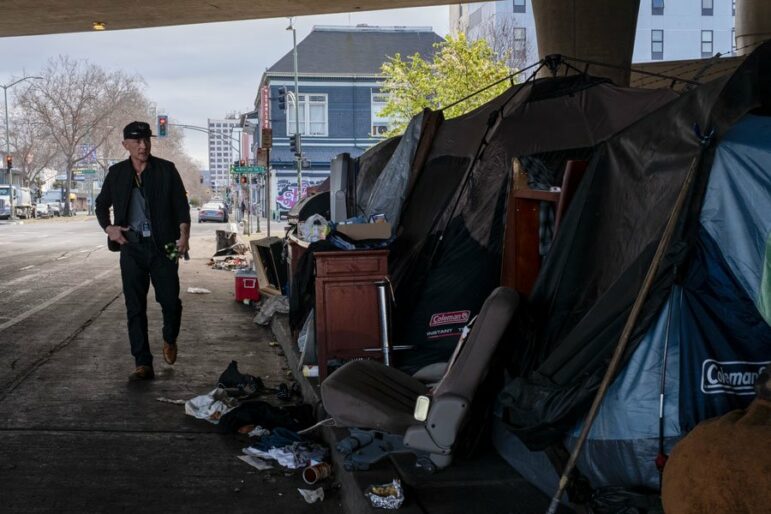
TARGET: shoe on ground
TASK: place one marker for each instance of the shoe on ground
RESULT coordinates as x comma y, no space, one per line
169,352
142,373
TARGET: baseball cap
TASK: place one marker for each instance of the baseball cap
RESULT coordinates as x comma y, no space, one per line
137,130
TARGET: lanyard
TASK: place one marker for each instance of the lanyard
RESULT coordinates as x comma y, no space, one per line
140,185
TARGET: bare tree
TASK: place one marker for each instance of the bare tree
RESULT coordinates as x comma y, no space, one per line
34,151
509,40
76,102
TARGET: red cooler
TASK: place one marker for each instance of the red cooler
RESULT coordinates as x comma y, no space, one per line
246,286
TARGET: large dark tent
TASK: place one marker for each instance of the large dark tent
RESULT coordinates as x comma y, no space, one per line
704,334
446,257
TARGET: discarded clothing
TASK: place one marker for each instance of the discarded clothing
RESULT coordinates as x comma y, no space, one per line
255,462
279,438
211,407
239,384
295,456
270,306
293,417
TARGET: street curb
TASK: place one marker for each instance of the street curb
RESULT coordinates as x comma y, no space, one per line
352,483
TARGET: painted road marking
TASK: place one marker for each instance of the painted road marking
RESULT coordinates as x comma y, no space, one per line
51,301
25,268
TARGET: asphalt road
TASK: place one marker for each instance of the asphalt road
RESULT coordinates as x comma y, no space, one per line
75,436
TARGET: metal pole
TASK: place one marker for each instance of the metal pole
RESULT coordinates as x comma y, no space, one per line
382,304
298,159
626,333
268,200
12,215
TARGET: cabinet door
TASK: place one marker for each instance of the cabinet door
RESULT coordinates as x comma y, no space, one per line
350,315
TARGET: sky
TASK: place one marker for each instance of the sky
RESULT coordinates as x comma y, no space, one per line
196,72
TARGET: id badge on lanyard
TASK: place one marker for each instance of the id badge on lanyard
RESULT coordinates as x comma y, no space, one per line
146,232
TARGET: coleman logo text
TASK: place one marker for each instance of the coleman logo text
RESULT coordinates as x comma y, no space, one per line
449,318
730,377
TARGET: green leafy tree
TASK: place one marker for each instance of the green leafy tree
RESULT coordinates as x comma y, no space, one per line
459,68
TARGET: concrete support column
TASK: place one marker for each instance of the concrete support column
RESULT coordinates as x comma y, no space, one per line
595,30
753,24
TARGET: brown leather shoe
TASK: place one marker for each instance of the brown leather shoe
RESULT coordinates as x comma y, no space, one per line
142,373
169,352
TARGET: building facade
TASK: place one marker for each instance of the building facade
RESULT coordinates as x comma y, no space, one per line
669,30
339,99
222,151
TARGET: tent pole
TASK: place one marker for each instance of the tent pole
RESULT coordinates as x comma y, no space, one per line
631,321
661,458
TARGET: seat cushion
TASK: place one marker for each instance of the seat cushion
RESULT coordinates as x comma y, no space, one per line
368,394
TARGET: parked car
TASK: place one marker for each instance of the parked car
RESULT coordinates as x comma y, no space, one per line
54,208
41,210
213,212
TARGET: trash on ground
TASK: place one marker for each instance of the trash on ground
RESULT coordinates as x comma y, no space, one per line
170,400
271,305
239,384
229,263
386,496
198,290
258,431
312,496
289,449
211,406
320,471
255,462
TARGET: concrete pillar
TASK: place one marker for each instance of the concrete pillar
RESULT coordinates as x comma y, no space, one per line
594,30
753,24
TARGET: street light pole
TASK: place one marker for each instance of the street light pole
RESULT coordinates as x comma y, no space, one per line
298,158
12,215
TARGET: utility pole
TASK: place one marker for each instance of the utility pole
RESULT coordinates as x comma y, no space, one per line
298,158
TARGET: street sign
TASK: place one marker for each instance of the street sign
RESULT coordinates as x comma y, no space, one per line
244,170
61,177
79,178
79,171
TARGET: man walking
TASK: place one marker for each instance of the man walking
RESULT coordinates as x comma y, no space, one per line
150,211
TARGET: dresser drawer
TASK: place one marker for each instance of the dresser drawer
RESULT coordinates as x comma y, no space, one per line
351,263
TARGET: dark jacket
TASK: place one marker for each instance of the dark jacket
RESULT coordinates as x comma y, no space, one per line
165,193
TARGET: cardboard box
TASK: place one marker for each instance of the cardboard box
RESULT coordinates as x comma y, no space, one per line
361,231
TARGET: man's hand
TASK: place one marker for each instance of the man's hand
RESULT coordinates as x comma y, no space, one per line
183,243
115,233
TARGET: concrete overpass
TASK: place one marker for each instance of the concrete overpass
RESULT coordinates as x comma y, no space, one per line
595,30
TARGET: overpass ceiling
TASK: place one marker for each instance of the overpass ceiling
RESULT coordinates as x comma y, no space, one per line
34,17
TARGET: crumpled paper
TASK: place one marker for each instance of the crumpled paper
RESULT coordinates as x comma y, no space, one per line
198,290
212,406
255,462
386,496
312,495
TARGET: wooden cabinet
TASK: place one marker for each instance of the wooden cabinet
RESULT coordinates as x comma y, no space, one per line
346,304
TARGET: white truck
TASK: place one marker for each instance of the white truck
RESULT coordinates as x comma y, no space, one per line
22,202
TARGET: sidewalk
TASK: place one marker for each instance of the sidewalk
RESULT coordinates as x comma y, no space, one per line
77,437
484,483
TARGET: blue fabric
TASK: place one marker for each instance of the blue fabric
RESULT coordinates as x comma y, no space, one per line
737,206
729,343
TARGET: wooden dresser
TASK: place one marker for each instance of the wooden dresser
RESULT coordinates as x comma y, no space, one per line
346,304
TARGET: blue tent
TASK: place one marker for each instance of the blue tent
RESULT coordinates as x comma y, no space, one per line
707,323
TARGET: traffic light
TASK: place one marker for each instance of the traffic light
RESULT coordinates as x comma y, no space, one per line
242,163
163,125
295,144
243,179
8,161
282,98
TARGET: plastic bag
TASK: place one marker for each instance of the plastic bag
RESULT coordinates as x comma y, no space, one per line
315,228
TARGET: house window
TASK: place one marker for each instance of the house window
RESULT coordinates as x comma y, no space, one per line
520,6
379,123
657,44
657,7
313,115
706,43
707,6
520,41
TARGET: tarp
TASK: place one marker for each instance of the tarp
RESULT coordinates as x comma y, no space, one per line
447,254
703,324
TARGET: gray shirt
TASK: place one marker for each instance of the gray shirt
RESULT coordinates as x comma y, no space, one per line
137,211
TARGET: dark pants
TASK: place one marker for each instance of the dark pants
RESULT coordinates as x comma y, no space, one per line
141,262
